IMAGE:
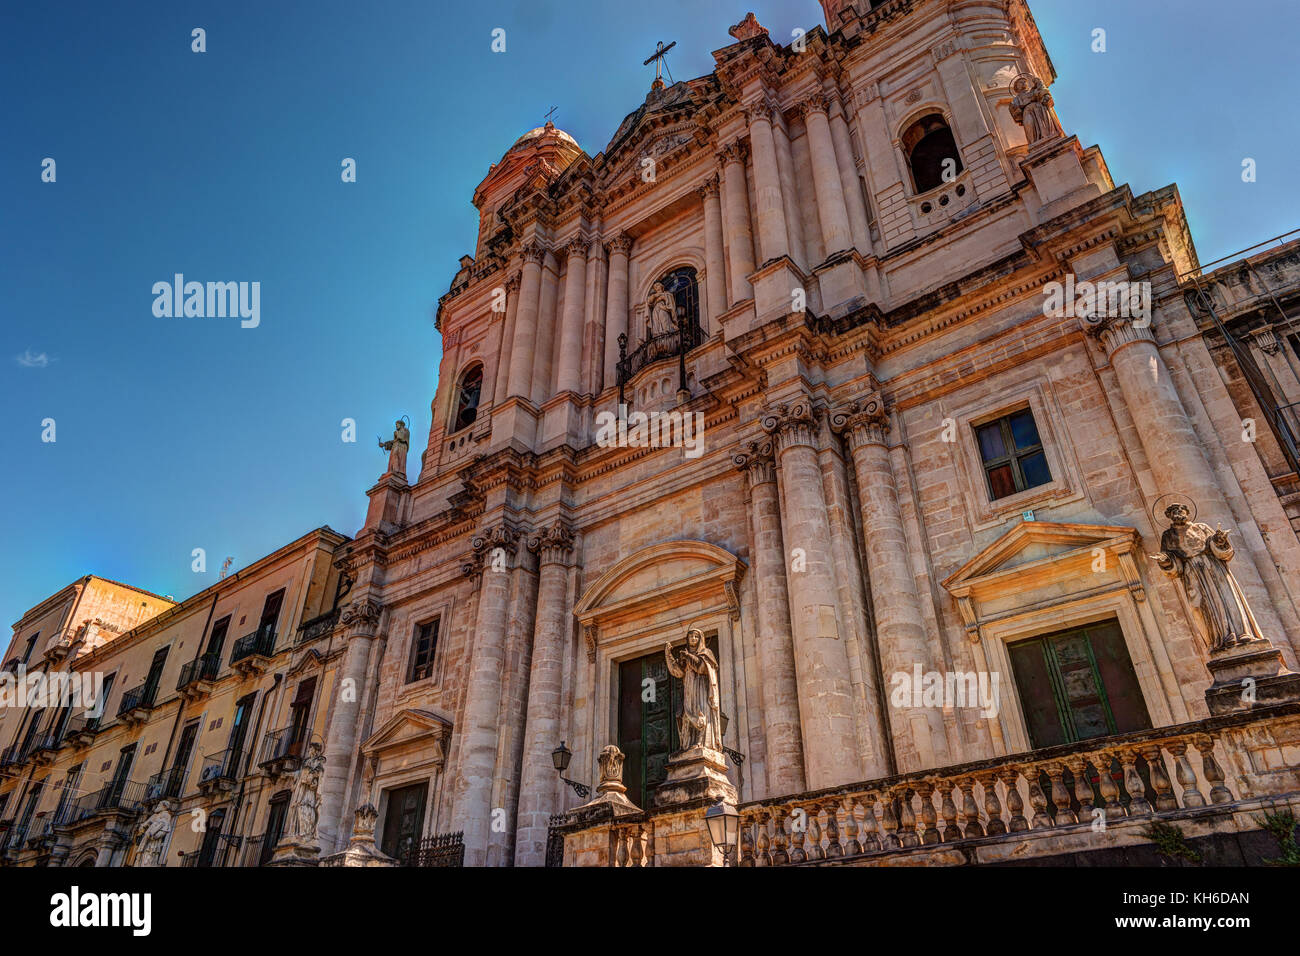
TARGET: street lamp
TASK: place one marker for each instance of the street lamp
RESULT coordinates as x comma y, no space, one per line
724,827
560,757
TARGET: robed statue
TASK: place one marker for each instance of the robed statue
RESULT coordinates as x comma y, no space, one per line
1197,556
154,833
661,312
304,811
1032,109
700,724
397,447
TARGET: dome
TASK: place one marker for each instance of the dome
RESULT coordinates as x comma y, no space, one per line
533,137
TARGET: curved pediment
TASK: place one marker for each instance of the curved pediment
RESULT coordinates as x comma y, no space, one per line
661,573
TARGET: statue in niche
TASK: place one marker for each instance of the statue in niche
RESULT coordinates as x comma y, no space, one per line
397,447
700,724
304,812
154,834
1032,109
661,312
1197,556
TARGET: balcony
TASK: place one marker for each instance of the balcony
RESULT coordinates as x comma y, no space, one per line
138,702
42,748
252,652
281,752
11,758
80,731
166,784
220,771
198,676
317,627
654,349
125,798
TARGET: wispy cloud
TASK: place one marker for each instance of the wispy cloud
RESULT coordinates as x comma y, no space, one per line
30,359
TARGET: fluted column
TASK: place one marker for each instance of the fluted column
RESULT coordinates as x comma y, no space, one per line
524,342
773,238
494,560
616,307
918,732
735,222
834,215
358,622
853,201
821,660
575,286
775,648
538,789
501,384
790,193
715,284
1174,454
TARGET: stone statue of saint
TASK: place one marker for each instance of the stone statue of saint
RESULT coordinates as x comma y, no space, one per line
1032,109
1197,556
397,447
661,312
304,811
154,833
700,724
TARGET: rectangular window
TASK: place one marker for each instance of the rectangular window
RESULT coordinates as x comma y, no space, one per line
217,639
1078,684
422,650
1012,454
31,646
270,612
300,713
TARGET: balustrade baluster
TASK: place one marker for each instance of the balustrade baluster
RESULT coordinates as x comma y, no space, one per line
1060,796
1192,796
929,832
1106,782
779,839
889,822
1164,789
1213,772
870,830
907,820
1082,788
1015,803
1138,806
764,841
992,806
1037,799
814,848
833,848
949,810
798,834
853,846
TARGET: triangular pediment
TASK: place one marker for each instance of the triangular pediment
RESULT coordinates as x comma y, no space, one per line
1034,545
408,727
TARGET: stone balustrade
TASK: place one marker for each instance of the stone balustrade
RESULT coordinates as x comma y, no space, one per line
1035,804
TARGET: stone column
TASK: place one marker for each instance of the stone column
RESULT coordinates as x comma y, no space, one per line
821,659
793,215
501,384
593,347
538,789
494,557
834,215
524,341
616,306
775,649
575,285
715,280
856,205
1174,453
543,361
358,622
735,221
918,733
773,238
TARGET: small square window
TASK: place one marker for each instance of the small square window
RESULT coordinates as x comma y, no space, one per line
422,650
1012,454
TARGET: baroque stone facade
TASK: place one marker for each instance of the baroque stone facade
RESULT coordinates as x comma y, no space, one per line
907,454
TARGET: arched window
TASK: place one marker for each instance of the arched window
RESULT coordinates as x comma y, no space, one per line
928,144
467,395
685,289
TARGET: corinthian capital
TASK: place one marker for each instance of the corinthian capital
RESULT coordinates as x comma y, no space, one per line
709,188
757,460
1114,332
492,547
790,424
863,421
577,248
621,243
533,251
512,283
815,103
360,617
553,544
734,152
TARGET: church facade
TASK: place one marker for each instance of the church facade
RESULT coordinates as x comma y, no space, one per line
976,492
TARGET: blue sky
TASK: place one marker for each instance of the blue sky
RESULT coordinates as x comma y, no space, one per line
174,434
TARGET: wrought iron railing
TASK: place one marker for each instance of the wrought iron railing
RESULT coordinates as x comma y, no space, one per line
166,784
200,669
281,744
220,766
139,697
127,797
261,643
319,626
654,349
442,849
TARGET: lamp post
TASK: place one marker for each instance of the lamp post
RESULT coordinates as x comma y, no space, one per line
723,822
560,757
